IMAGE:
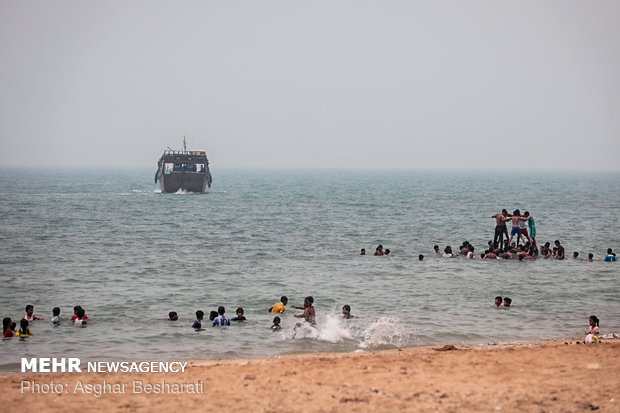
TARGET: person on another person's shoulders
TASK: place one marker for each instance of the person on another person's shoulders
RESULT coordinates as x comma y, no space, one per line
516,229
532,227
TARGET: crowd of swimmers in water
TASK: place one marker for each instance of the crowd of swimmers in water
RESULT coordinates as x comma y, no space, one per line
9,327
523,227
216,318
219,319
524,247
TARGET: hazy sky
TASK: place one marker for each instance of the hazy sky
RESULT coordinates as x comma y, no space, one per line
331,84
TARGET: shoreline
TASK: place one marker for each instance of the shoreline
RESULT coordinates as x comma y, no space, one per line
555,374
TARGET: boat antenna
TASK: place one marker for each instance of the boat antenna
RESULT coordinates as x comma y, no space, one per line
184,145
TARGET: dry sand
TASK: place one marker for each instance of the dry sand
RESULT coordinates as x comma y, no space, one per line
545,376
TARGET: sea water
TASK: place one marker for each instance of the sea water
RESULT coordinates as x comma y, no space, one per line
109,241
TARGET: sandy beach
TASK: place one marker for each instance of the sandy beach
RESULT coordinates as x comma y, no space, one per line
553,375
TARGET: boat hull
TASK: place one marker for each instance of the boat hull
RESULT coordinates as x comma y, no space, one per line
183,181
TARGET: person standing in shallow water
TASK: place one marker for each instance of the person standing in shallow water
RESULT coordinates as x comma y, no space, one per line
560,248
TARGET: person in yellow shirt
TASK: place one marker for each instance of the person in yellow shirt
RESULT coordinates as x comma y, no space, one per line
23,331
280,306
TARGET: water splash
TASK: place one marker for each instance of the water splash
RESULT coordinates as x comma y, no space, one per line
331,329
386,331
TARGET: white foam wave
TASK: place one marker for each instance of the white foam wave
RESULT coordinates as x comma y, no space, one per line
384,331
331,328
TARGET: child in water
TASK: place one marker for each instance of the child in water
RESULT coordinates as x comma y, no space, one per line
346,311
276,323
280,306
29,314
308,315
240,316
80,320
75,313
221,320
199,316
23,331
56,316
212,316
498,302
7,330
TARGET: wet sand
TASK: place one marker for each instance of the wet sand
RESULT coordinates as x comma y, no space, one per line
552,376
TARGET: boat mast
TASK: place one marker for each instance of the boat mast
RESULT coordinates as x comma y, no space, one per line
184,145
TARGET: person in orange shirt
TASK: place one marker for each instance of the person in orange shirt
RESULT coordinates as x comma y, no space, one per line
279,307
